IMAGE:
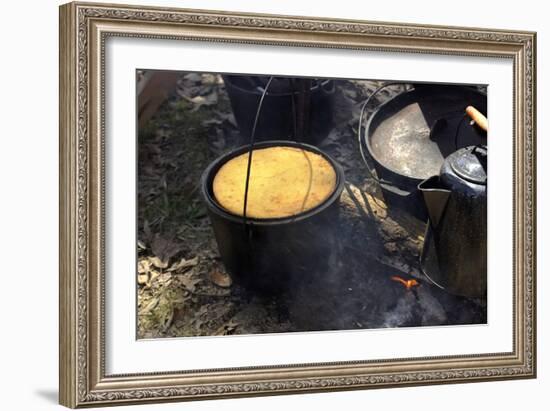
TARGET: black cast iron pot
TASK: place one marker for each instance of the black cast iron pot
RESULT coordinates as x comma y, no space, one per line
281,117
268,256
409,136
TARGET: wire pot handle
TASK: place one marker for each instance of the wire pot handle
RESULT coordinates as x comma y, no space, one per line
251,147
264,91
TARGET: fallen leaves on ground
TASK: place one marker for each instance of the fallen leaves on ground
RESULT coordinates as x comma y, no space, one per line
189,282
199,101
163,249
157,262
183,265
220,278
146,274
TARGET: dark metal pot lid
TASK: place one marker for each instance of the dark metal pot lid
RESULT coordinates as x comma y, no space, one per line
414,132
470,164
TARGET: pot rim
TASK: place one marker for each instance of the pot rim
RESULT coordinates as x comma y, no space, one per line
209,173
255,91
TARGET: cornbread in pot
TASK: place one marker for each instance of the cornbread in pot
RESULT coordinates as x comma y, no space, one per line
284,181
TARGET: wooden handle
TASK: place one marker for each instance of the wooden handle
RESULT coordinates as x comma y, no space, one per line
479,118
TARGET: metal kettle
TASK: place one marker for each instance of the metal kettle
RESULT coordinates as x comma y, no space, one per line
454,255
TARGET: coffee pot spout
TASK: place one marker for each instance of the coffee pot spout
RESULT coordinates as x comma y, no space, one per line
435,198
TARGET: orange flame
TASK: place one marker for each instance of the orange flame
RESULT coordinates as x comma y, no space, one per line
407,283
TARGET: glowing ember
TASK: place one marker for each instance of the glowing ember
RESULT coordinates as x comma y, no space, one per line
407,283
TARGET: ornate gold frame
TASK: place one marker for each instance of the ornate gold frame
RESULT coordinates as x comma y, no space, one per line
83,30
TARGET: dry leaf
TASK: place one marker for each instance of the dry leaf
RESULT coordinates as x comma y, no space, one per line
211,121
199,101
220,278
184,265
152,276
228,328
143,278
144,266
168,321
146,276
157,262
152,304
229,117
198,322
164,249
189,282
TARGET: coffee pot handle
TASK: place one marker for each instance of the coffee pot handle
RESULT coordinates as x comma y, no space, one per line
477,117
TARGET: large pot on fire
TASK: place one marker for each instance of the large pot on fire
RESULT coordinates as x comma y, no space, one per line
268,254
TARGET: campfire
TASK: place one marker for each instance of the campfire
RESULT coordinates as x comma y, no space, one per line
408,284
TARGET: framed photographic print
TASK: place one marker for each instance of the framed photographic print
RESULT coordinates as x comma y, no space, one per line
260,204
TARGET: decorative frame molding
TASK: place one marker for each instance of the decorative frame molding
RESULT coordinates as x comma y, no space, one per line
83,30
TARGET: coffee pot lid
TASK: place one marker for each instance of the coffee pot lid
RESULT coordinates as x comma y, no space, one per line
470,163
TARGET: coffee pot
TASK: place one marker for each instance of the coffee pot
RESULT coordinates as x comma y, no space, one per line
454,256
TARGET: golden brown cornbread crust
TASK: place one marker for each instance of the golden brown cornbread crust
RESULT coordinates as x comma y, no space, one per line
284,181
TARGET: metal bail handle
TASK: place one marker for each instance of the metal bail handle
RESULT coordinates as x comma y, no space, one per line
253,136
251,148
